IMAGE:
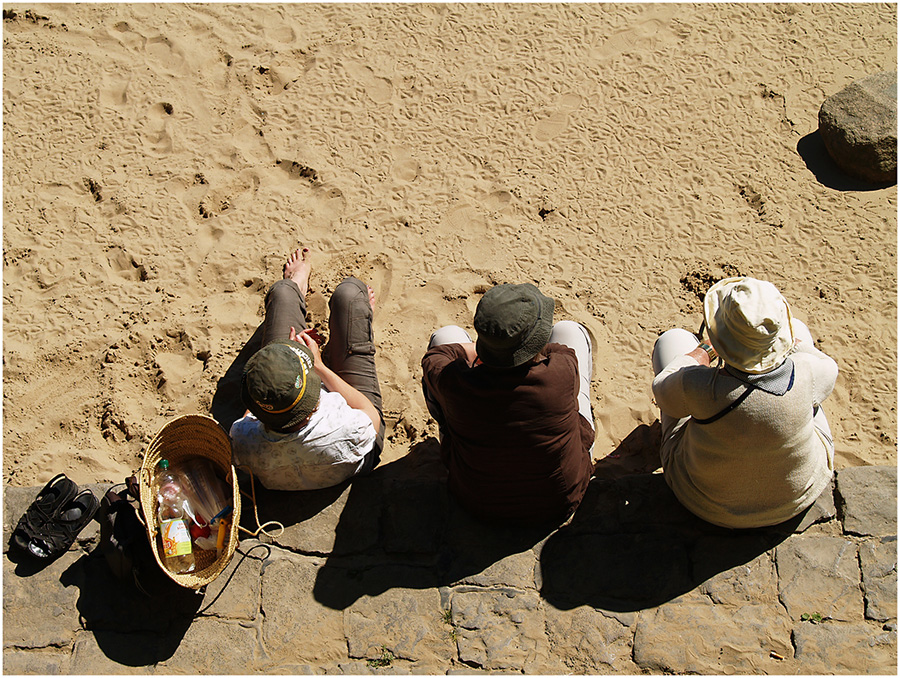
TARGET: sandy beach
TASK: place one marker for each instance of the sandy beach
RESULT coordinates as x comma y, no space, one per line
162,160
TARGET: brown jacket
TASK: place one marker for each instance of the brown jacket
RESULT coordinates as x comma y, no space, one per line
514,442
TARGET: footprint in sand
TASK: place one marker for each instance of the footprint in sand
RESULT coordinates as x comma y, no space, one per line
551,126
114,90
377,88
497,200
465,219
125,265
166,53
328,202
156,128
404,168
556,123
278,29
647,29
127,36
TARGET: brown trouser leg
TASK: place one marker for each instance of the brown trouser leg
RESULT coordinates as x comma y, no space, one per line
351,349
285,308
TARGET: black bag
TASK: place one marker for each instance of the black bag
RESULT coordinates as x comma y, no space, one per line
123,540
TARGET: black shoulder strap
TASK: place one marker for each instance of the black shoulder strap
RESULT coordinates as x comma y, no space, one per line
741,398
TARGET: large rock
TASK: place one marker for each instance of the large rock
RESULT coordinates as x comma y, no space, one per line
859,127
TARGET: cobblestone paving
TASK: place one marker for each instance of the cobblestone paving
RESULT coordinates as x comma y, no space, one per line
387,575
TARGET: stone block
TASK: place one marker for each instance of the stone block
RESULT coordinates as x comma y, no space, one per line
405,622
701,637
822,510
850,649
38,611
106,603
296,627
516,570
589,641
44,663
108,652
235,593
820,575
340,582
486,553
868,500
214,647
337,520
859,127
296,670
878,562
499,629
638,503
754,581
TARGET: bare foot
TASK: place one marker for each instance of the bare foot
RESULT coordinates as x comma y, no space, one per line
297,269
371,297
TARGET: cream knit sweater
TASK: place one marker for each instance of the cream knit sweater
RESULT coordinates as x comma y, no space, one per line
761,463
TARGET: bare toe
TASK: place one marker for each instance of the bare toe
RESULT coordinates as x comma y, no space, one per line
298,267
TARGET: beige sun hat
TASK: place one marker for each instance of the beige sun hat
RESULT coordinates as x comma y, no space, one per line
749,323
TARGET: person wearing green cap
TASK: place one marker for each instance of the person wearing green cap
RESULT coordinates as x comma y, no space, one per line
513,408
310,424
745,442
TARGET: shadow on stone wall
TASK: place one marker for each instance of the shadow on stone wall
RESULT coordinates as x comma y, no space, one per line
130,628
632,546
629,546
421,539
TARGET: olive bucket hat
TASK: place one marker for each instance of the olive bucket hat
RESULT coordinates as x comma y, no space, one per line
513,324
749,324
279,385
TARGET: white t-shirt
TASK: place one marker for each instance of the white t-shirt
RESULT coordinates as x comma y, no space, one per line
325,452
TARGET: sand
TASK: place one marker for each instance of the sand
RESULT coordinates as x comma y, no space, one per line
162,160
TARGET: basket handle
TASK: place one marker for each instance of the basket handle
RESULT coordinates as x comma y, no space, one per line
133,488
259,528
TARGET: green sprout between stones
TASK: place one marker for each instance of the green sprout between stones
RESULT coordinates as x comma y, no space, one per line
447,616
815,617
384,661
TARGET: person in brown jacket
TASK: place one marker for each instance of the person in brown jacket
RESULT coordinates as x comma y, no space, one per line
513,408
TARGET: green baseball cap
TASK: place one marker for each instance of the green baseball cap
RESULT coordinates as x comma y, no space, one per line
279,384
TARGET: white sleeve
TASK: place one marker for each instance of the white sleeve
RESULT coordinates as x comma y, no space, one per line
668,387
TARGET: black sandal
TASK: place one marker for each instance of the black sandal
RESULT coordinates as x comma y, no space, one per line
58,492
59,533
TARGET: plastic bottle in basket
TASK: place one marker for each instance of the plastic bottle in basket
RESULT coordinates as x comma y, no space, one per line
173,528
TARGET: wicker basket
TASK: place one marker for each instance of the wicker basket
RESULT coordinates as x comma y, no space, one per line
192,435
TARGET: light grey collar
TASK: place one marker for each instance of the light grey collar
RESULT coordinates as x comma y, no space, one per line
777,382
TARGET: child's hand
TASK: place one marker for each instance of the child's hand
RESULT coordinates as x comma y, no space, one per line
307,337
